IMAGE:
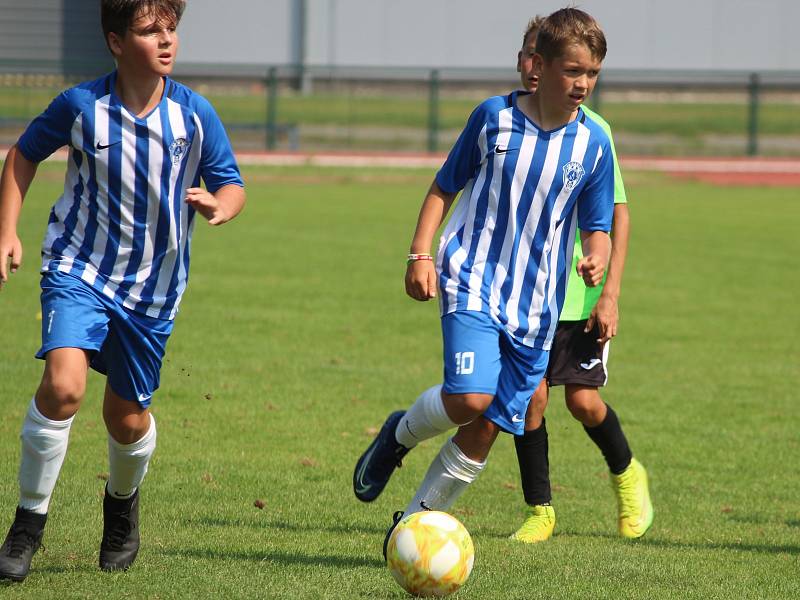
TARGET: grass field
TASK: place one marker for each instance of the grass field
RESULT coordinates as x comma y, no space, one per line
295,340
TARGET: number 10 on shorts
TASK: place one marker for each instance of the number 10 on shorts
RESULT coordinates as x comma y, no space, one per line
465,363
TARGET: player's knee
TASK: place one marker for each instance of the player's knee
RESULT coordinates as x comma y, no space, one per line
128,428
585,405
463,408
60,396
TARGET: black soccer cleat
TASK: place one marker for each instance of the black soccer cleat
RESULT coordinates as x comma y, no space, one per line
398,516
377,464
22,542
120,542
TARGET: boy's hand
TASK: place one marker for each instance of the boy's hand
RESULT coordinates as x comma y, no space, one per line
10,256
206,204
605,315
591,268
421,280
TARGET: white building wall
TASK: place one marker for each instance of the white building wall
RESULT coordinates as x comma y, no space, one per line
642,34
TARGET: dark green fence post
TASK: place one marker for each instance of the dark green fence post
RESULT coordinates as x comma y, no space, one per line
433,111
272,108
752,125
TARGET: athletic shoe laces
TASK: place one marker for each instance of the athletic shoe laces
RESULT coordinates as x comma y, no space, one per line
391,456
21,540
628,493
118,531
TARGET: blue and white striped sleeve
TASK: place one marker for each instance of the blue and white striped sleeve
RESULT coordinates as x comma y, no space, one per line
596,202
50,130
465,155
217,162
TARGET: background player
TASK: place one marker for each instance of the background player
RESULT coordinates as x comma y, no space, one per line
532,168
578,361
115,259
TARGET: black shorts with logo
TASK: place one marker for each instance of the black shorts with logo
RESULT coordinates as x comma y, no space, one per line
576,357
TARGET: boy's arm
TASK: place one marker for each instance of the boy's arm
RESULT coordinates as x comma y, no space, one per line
606,312
421,274
596,253
18,172
219,207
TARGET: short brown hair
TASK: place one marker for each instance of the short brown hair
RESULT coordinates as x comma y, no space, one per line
118,15
533,28
566,27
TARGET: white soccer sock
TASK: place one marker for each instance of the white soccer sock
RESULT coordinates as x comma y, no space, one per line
449,474
425,419
44,445
127,463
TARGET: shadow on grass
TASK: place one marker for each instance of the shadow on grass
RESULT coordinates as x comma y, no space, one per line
650,542
278,558
346,528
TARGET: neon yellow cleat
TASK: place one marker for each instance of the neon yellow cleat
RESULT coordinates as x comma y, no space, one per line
538,525
633,498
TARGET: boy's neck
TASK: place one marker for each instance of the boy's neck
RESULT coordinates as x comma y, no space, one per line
140,95
545,116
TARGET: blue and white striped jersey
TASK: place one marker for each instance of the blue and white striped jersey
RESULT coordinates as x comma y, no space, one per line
122,224
508,243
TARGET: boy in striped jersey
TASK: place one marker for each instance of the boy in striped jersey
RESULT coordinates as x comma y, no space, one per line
533,169
578,357
115,259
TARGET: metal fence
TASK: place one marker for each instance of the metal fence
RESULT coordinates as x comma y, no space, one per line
684,113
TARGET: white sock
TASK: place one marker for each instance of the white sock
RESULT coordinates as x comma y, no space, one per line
127,463
425,419
44,445
449,474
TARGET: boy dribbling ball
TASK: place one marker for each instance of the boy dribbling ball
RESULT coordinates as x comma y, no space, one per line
532,170
115,260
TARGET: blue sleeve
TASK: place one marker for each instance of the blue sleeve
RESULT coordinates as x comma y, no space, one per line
217,162
596,202
465,156
50,130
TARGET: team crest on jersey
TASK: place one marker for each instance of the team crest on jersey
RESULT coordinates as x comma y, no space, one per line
177,149
573,173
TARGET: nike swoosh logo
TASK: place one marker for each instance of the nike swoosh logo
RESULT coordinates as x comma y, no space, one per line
361,487
145,397
501,150
516,419
104,146
591,364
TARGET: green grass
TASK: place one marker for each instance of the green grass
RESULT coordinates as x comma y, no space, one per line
295,338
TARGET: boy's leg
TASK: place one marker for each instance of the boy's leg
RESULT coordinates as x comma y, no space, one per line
471,368
601,424
45,435
131,443
532,451
132,354
433,413
459,462
628,476
534,467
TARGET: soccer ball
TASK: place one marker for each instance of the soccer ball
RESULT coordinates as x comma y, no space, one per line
430,553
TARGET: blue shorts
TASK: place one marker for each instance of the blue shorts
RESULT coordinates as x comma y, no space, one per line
481,357
126,347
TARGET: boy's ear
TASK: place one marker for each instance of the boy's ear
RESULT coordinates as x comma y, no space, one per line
519,61
114,43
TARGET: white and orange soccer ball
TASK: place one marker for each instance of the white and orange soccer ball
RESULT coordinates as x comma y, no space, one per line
430,553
